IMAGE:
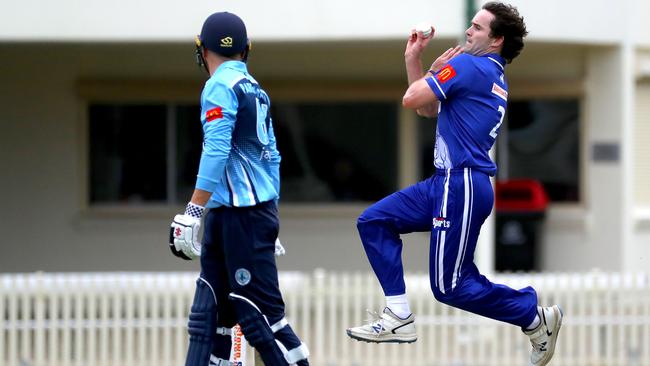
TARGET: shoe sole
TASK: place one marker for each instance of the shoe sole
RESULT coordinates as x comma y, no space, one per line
557,334
379,340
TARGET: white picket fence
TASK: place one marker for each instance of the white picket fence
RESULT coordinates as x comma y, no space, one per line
129,319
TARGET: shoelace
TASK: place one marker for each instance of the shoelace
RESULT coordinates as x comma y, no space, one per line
375,319
538,346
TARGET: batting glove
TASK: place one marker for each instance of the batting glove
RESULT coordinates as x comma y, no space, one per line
184,233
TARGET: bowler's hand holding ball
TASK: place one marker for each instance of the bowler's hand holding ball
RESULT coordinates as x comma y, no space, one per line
425,28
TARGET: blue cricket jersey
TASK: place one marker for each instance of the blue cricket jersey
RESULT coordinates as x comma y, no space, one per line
240,162
455,202
473,96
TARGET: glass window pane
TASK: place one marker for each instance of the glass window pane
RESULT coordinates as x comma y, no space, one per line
543,143
336,151
189,139
127,153
426,141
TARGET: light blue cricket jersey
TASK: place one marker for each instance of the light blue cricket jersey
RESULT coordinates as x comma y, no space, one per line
473,96
240,162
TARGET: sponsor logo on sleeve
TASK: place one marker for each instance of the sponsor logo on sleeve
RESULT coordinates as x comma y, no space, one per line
446,74
214,113
499,92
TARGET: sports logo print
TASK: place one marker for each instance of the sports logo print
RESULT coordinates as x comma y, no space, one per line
226,42
441,223
445,74
214,113
377,328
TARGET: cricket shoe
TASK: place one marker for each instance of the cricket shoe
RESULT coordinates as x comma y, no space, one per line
385,328
544,337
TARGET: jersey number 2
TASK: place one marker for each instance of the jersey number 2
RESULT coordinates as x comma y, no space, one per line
495,130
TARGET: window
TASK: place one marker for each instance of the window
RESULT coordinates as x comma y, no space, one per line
149,153
134,147
336,151
541,142
426,141
189,143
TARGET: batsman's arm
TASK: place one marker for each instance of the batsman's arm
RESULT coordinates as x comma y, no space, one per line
219,106
200,197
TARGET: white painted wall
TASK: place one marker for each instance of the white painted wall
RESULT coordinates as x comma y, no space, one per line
639,22
603,184
168,20
574,21
570,21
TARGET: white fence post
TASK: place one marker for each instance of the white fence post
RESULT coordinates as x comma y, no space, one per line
128,319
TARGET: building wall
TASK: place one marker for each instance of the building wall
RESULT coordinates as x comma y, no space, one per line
44,148
169,20
570,21
51,64
640,258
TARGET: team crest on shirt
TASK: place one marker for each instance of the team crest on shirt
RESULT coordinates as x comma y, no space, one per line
242,276
441,223
214,113
445,74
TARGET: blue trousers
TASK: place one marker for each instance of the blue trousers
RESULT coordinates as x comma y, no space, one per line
242,240
452,205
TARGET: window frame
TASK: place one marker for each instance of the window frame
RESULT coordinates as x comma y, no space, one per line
177,92
171,93
572,215
168,93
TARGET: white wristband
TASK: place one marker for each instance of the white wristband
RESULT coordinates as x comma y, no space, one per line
194,210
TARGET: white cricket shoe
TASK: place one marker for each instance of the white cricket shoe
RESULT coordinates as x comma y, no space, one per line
385,328
543,337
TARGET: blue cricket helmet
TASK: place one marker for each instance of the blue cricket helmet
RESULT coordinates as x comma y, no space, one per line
224,33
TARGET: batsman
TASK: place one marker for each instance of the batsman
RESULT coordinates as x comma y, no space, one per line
237,190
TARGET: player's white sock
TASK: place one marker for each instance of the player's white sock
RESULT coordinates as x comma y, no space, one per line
399,305
534,324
